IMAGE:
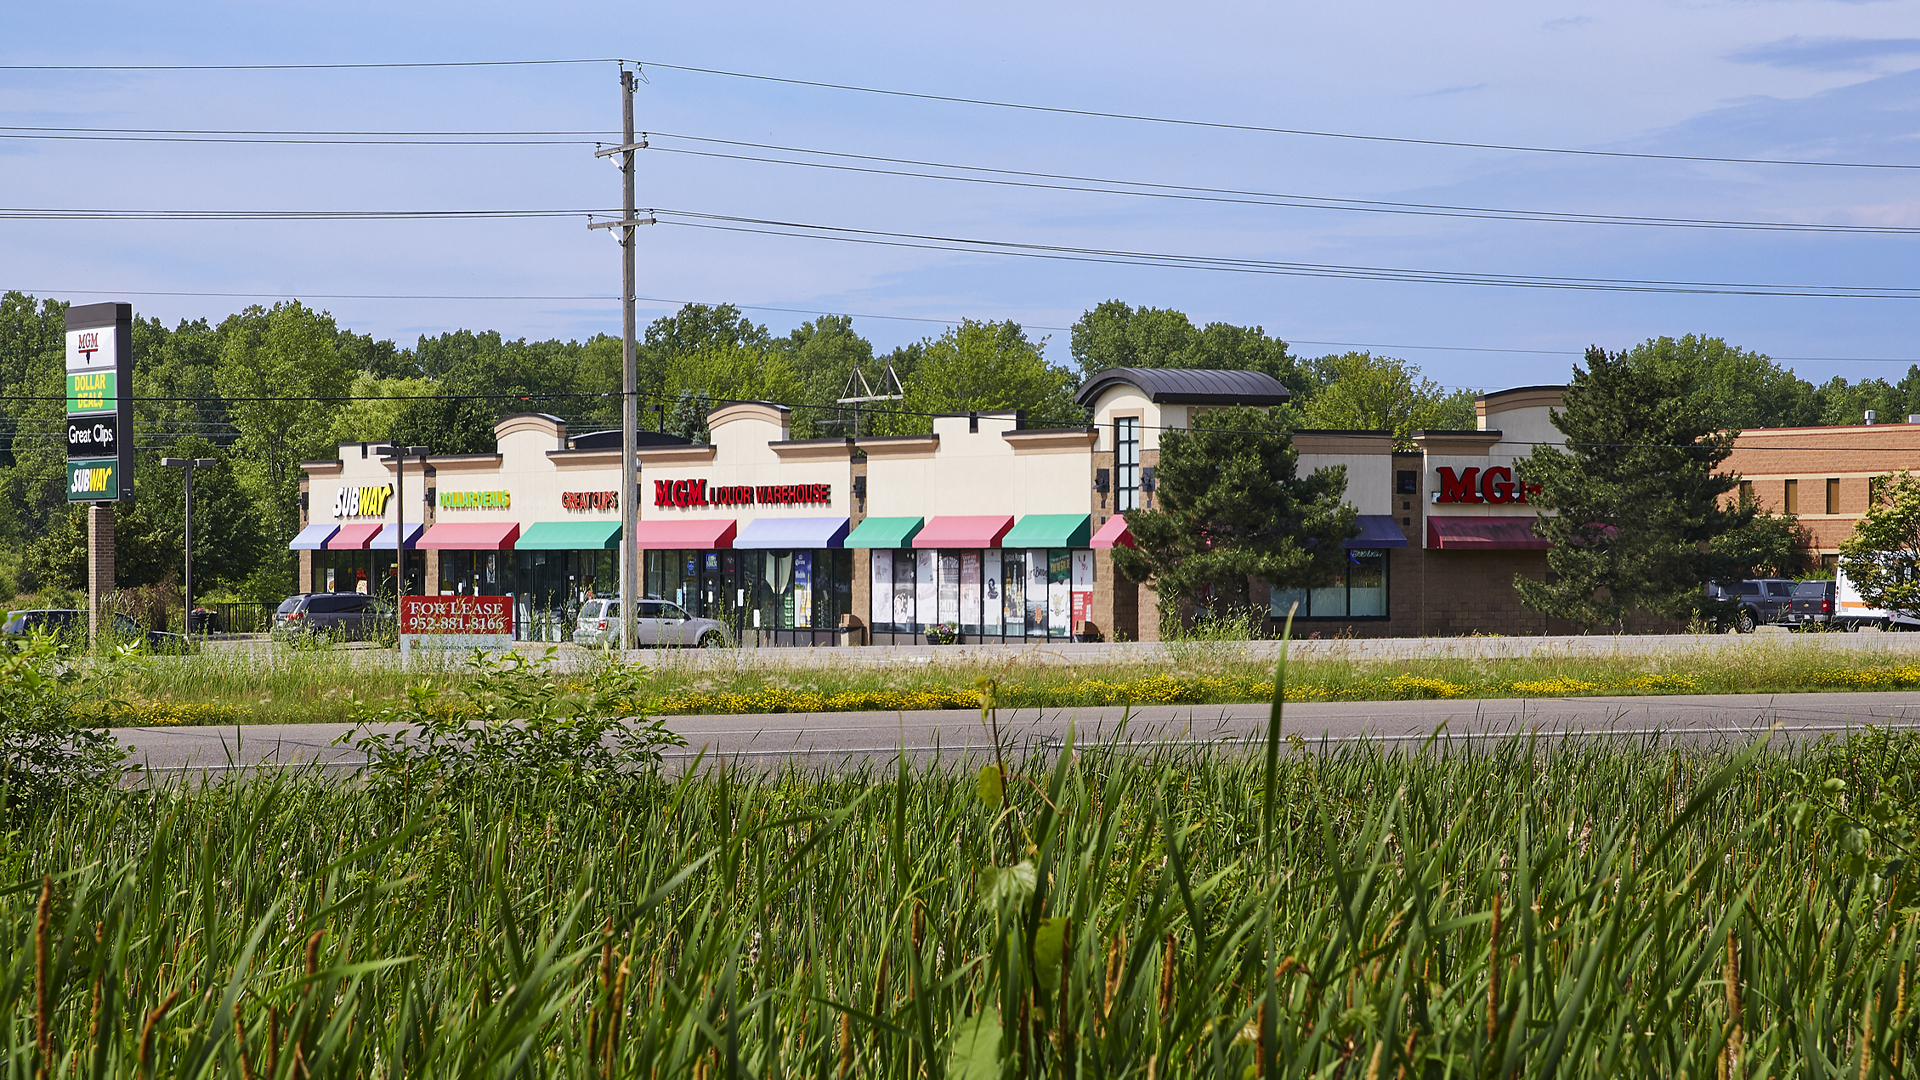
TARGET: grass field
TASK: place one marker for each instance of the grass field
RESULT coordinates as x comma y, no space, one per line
1599,910
290,686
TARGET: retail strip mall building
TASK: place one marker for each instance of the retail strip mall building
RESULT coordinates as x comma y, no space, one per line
1003,532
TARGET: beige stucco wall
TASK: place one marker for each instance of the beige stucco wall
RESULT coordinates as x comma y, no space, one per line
969,472
532,467
743,455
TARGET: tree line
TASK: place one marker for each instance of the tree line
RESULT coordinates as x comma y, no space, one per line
269,387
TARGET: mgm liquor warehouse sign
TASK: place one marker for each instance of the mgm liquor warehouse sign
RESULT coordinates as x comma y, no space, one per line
99,402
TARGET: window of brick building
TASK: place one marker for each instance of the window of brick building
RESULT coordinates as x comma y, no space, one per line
1833,496
1746,491
1791,502
1126,462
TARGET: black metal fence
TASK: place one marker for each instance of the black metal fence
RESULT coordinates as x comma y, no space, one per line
238,617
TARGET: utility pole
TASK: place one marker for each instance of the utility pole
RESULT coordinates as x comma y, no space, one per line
398,456
629,366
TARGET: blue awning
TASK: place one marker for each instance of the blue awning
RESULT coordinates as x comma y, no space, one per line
313,537
793,534
384,542
1378,531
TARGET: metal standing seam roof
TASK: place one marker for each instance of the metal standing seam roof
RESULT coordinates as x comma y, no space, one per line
1189,386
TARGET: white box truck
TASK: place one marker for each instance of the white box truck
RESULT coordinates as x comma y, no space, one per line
1854,613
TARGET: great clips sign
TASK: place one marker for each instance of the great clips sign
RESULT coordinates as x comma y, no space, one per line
685,493
1475,485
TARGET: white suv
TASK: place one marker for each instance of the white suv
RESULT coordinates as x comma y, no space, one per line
657,622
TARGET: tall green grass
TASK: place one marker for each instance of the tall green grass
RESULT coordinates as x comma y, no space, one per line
1576,910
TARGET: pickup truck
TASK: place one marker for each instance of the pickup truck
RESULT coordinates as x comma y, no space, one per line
1761,601
1814,604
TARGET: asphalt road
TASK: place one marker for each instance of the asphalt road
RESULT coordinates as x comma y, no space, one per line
844,737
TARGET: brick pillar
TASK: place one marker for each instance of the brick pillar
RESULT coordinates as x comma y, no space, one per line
1148,610
862,597
99,567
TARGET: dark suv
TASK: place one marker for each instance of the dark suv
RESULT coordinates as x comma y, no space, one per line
1761,600
340,616
69,625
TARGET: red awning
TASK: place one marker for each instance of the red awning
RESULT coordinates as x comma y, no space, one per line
1473,533
1113,534
979,531
353,537
470,536
691,533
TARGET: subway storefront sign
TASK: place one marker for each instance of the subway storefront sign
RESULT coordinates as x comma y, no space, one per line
93,481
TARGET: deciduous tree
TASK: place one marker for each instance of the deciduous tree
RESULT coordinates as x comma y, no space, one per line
1882,556
1364,392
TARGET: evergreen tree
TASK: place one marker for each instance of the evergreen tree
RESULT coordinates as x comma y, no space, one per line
1633,504
1232,507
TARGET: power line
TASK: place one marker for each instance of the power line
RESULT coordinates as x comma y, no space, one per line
310,67
1192,193
983,102
28,213
1223,126
1224,264
1028,178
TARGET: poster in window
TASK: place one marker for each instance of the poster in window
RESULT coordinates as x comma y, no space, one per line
880,605
990,591
1059,593
802,589
926,572
903,591
950,587
1036,592
1013,577
970,591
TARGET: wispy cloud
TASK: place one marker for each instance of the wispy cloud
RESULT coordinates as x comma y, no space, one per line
1827,53
1453,90
1567,23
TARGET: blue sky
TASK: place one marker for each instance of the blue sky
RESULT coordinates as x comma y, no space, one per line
1807,80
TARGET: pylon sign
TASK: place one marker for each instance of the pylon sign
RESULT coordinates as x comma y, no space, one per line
99,402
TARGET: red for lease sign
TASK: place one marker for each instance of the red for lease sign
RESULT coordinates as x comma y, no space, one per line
488,616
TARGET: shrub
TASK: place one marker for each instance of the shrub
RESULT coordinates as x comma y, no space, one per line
47,748
511,722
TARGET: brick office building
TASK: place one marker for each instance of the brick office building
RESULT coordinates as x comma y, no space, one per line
1823,475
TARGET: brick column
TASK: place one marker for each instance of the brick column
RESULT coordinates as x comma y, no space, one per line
99,567
862,596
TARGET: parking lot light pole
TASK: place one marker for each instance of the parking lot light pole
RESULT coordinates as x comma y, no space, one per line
398,457
189,464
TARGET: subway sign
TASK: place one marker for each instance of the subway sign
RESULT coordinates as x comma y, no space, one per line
99,380
93,481
1475,485
362,501
697,493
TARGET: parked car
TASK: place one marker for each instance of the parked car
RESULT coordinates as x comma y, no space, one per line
1761,600
1814,604
340,616
69,625
656,622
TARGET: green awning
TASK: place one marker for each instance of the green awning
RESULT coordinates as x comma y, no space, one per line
569,536
1049,531
884,532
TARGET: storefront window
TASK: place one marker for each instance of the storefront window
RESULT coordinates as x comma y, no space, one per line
1360,592
950,588
991,591
970,592
1059,592
1036,592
